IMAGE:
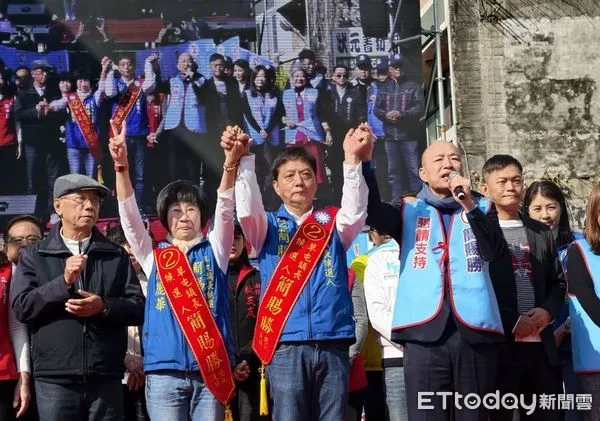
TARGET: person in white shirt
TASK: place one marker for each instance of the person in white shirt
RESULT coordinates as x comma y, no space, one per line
381,281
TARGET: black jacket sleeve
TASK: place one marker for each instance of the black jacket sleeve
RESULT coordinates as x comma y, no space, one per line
25,111
360,108
247,112
582,285
378,210
128,309
380,107
555,296
487,231
417,101
30,300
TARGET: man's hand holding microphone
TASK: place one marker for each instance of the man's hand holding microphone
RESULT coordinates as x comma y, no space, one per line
461,190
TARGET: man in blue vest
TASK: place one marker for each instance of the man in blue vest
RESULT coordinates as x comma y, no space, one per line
185,118
446,312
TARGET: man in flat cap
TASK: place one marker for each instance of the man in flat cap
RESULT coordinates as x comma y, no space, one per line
77,292
44,153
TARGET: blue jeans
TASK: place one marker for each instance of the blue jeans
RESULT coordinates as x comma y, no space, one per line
136,152
395,393
98,399
403,166
309,381
81,161
178,395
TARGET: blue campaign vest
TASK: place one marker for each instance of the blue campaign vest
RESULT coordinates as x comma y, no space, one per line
74,136
262,111
137,119
183,100
585,334
311,124
165,346
421,287
375,123
324,309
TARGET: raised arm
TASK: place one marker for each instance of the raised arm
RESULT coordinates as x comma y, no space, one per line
221,237
129,214
248,201
110,85
353,213
149,83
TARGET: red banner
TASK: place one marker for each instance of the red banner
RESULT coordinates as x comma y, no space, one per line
196,321
86,125
126,103
290,276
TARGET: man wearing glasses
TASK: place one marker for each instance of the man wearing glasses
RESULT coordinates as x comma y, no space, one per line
347,110
15,375
77,292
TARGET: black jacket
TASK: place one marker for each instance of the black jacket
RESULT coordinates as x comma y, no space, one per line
212,98
63,345
548,281
346,112
407,97
491,244
42,132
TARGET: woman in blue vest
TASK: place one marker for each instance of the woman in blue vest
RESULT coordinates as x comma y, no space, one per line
263,110
545,202
305,119
583,271
175,389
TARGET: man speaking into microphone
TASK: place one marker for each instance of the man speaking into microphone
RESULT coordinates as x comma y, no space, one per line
446,312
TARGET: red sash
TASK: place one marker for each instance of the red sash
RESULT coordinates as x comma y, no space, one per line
290,276
86,126
196,321
126,103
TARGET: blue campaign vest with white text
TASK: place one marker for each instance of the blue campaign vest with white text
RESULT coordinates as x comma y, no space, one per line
183,100
311,125
137,119
421,287
262,109
324,309
375,123
74,136
585,334
165,346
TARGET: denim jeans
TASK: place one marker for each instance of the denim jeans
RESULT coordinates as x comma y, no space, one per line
136,152
179,395
395,393
98,399
81,161
403,166
309,381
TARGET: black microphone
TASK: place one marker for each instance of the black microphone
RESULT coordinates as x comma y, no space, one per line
458,191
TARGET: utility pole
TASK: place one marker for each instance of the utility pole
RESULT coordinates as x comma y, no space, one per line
440,72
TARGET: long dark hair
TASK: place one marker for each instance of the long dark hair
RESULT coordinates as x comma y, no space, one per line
269,80
246,66
592,227
550,190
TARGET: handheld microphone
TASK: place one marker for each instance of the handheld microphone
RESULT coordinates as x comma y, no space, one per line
458,191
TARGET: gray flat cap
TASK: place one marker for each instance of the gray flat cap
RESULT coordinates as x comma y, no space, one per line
74,182
41,64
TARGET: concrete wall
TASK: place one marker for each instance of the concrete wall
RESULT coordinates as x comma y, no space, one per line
527,86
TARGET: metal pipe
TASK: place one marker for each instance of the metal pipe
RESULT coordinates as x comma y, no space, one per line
451,64
440,71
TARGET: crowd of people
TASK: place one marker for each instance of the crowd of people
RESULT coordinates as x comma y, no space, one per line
59,123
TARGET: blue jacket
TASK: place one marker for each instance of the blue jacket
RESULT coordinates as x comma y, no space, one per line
163,340
324,309
137,119
75,138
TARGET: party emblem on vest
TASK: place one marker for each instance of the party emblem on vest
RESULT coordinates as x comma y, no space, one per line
349,100
322,217
463,217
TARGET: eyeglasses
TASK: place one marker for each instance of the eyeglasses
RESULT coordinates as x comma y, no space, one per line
80,200
16,241
341,75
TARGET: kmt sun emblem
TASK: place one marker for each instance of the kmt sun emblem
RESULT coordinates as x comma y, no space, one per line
322,218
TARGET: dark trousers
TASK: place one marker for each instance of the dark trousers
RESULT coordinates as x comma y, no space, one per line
8,170
524,369
136,155
265,155
134,405
7,390
403,167
380,160
449,365
44,165
356,401
97,399
375,397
